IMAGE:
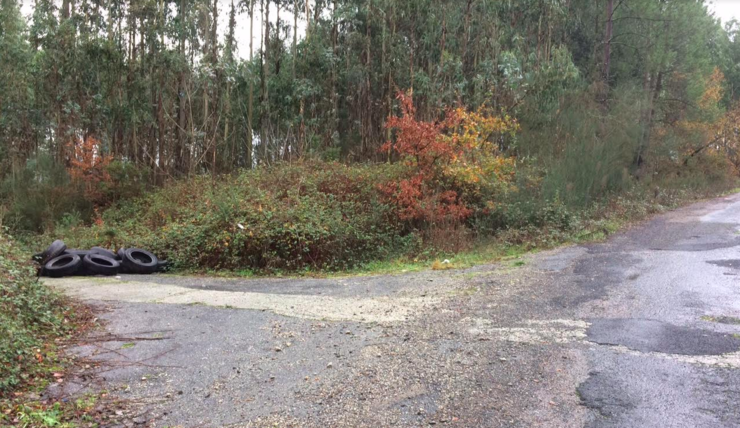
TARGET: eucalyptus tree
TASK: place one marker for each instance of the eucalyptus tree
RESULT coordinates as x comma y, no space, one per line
17,139
163,87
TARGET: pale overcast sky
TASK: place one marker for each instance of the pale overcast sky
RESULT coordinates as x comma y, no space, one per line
726,9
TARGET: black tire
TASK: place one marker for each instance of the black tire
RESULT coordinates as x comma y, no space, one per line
163,266
100,264
64,265
81,253
121,253
104,251
139,261
55,250
82,271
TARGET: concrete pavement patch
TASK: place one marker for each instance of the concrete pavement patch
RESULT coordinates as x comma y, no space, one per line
380,309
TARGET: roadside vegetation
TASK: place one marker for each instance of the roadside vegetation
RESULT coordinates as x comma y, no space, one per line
389,132
329,218
31,317
33,322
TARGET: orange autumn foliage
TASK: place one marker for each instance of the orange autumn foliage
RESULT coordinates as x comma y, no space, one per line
726,139
422,149
444,159
88,166
715,132
713,90
478,166
419,143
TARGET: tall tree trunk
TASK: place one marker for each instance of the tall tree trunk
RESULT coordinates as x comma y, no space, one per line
466,35
334,95
367,110
133,143
250,102
214,33
608,39
308,21
160,131
443,40
181,139
229,144
302,104
109,21
295,35
161,127
539,41
390,89
653,86
217,91
182,135
265,113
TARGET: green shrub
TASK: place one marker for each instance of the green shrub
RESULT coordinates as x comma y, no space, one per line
127,181
39,195
30,314
317,215
42,194
591,153
287,217
526,213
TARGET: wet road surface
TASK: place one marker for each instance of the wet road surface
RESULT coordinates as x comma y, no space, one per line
640,331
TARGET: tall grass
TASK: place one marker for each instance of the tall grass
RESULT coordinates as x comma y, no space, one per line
584,152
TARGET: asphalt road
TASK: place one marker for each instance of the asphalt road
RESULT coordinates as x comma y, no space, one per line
640,331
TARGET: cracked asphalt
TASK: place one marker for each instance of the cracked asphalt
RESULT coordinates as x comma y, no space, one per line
640,331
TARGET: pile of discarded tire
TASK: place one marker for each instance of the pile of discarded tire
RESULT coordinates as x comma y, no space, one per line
59,261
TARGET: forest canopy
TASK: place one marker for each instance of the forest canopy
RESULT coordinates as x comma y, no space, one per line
477,104
156,85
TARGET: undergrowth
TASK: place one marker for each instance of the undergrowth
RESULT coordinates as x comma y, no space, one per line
450,187
33,320
324,218
31,317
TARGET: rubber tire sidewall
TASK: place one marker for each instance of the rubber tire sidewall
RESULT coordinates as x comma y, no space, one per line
67,270
134,266
93,268
56,249
103,251
81,253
